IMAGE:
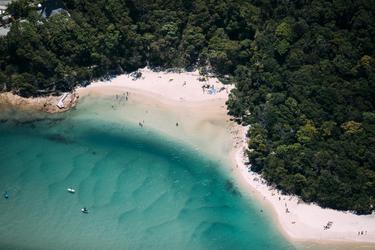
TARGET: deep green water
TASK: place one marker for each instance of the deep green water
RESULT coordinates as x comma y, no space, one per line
143,191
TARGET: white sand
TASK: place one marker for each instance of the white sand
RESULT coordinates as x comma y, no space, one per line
159,103
182,87
303,222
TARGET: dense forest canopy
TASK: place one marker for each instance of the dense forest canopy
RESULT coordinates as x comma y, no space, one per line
304,72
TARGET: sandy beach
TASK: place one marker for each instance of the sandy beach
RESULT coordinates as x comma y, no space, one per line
299,221
203,111
172,104
303,222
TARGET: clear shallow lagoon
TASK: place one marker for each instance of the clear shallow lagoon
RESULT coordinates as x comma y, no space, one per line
143,191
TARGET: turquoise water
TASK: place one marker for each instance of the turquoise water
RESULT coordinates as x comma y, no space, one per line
143,191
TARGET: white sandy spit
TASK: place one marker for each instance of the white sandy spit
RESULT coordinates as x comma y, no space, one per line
172,86
299,221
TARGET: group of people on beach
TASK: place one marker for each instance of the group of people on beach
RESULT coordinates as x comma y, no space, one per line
328,226
120,98
206,86
211,89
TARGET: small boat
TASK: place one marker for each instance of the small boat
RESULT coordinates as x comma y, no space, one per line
84,210
71,190
6,195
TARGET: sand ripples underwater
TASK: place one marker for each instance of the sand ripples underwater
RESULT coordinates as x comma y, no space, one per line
142,191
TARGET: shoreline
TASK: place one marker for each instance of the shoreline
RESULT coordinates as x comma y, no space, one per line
301,223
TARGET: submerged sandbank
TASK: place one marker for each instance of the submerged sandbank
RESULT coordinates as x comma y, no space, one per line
183,91
171,105
198,117
143,190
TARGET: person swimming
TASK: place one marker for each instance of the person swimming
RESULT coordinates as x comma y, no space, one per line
6,195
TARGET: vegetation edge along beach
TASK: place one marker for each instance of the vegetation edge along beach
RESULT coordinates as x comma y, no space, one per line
303,222
303,71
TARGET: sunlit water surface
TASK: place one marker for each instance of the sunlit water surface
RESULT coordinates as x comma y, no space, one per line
142,190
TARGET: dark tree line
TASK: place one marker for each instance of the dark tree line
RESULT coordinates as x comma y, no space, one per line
102,38
304,74
308,95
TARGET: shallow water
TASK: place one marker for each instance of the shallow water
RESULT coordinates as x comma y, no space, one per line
143,190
